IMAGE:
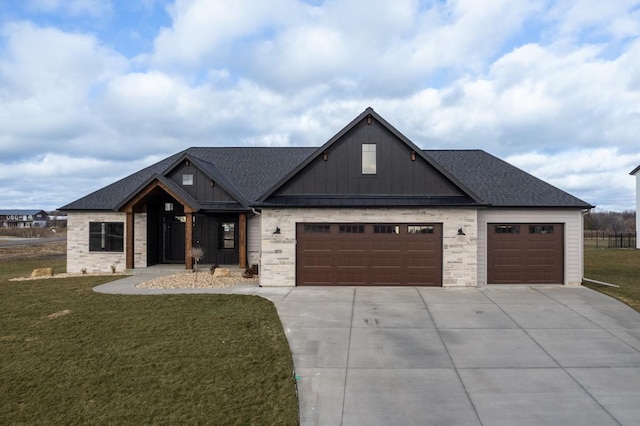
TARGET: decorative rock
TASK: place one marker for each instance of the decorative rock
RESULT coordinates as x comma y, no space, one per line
221,272
42,272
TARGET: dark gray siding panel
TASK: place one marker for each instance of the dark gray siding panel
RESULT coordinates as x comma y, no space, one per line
201,190
396,173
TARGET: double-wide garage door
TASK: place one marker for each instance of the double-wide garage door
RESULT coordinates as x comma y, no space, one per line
525,253
369,254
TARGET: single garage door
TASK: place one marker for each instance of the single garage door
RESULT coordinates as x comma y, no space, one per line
369,254
531,253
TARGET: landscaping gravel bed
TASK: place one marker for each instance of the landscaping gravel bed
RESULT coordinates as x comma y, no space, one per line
198,280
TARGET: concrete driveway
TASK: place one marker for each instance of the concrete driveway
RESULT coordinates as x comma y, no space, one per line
431,356
496,356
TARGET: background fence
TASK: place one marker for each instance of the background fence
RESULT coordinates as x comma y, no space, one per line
611,239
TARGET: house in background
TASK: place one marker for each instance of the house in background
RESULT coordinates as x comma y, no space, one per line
636,173
23,218
368,207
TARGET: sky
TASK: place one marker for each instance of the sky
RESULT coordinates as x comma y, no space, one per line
94,90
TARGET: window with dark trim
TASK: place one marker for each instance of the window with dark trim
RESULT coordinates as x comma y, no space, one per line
106,236
386,229
420,229
368,158
541,229
227,235
351,229
507,229
187,179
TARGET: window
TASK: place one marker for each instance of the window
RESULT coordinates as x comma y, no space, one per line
541,229
106,236
168,207
316,229
368,158
386,229
351,229
228,235
421,229
507,229
187,179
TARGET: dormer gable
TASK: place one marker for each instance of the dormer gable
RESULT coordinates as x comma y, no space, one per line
202,181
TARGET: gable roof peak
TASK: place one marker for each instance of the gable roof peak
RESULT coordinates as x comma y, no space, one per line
369,114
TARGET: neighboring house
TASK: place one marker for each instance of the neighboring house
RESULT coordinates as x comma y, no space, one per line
367,208
636,173
23,218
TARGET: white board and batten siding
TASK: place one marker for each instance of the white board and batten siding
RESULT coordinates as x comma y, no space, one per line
573,237
254,239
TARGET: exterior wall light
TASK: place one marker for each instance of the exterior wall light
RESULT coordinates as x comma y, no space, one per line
277,231
461,232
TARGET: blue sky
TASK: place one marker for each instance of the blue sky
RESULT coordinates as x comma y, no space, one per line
93,90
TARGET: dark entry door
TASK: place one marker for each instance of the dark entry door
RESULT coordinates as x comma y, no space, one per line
173,239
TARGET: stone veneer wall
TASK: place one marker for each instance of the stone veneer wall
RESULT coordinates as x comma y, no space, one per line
78,255
460,255
140,240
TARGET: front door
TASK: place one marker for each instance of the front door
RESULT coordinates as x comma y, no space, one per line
173,239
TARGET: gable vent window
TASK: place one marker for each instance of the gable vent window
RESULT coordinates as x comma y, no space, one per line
187,179
368,158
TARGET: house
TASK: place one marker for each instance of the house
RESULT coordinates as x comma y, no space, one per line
366,208
636,173
23,218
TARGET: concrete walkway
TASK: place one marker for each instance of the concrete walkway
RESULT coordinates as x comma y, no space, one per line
422,356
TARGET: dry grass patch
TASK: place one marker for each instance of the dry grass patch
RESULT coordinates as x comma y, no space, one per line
615,266
73,356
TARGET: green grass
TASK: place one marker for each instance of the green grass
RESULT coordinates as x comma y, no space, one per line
187,359
614,266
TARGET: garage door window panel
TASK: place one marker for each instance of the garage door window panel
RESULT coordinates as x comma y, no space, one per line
317,229
386,229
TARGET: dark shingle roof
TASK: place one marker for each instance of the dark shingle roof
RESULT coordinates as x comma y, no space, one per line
253,171
501,184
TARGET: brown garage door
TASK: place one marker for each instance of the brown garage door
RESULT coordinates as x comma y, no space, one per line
369,254
531,253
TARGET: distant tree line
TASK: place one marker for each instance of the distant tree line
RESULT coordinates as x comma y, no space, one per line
610,222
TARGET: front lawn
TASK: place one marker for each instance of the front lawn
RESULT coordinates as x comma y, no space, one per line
72,356
614,266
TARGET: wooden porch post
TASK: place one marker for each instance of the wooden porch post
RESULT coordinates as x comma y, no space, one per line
188,241
130,240
242,237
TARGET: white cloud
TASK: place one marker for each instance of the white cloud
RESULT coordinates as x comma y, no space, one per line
600,18
49,81
508,77
600,174
203,28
